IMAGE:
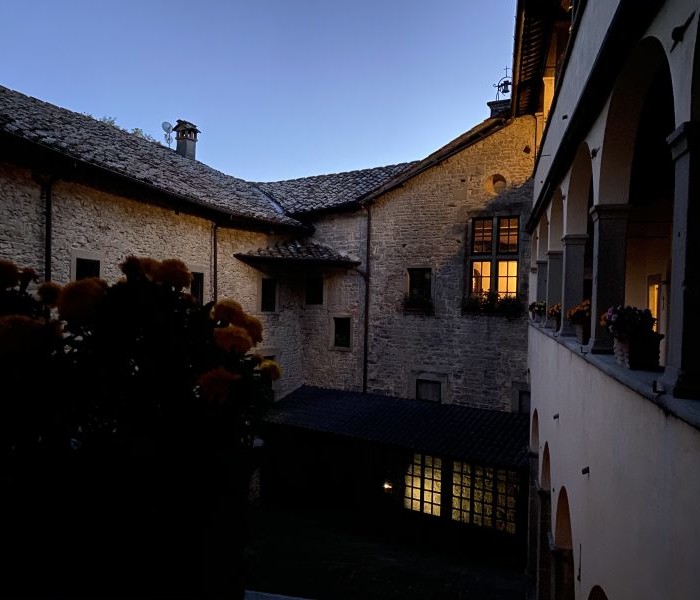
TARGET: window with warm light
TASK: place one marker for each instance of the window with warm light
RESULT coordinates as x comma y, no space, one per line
494,266
484,496
423,485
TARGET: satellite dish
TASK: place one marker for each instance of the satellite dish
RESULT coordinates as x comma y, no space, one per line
168,128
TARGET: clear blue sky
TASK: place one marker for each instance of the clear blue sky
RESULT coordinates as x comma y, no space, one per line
279,88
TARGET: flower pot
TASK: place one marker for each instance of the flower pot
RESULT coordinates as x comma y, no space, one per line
583,332
640,352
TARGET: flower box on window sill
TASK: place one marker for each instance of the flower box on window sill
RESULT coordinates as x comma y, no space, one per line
418,305
491,304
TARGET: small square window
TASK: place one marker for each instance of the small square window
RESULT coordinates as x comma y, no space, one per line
341,332
197,287
428,390
268,294
313,290
86,267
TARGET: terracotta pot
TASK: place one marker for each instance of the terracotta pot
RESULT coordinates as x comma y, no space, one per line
640,352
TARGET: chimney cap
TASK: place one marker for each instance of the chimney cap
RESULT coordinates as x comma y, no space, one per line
183,125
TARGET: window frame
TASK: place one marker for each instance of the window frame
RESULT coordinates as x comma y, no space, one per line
261,294
421,303
77,254
332,331
496,256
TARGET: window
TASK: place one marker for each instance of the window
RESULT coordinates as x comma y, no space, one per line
484,496
491,266
313,290
197,287
86,267
419,295
268,294
423,485
341,332
428,390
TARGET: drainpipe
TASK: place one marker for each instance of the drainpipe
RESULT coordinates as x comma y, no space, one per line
215,261
46,184
365,361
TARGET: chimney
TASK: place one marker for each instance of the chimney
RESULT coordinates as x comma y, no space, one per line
499,108
186,137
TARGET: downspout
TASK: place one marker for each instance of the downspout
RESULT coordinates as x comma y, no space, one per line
215,261
365,364
46,184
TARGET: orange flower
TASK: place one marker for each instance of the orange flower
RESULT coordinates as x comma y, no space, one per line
173,273
233,339
254,328
272,368
49,292
227,311
215,384
79,300
9,274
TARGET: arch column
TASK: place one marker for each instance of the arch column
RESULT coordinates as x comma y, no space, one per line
573,274
541,280
609,258
554,260
683,331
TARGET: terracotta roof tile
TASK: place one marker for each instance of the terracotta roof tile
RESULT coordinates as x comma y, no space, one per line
296,251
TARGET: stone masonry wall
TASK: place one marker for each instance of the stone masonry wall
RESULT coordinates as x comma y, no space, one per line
324,365
480,360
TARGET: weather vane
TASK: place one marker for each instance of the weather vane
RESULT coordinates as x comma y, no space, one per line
503,85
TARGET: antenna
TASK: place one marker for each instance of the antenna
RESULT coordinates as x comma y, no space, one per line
168,129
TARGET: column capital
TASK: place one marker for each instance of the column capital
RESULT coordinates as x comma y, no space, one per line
683,138
609,212
575,239
554,253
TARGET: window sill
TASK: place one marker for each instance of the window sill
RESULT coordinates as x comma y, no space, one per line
642,382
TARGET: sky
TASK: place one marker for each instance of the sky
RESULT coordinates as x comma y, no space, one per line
279,89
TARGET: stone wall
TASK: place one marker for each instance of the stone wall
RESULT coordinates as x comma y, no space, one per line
479,360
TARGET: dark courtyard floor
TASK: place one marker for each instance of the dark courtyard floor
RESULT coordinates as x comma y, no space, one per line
318,555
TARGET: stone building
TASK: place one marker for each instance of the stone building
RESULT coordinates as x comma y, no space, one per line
615,446
331,263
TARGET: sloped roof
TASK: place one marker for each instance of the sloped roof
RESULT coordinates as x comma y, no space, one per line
296,251
484,436
102,145
327,192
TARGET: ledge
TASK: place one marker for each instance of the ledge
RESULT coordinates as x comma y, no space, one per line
641,382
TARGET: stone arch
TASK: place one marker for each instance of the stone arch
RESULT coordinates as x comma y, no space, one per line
576,202
535,432
564,585
545,475
633,208
562,525
597,593
631,89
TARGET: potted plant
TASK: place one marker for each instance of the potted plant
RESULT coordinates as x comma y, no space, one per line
554,315
635,343
579,318
537,309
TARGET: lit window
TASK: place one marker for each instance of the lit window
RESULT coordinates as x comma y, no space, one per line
481,277
423,485
507,278
493,272
508,235
482,236
268,295
341,332
484,496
